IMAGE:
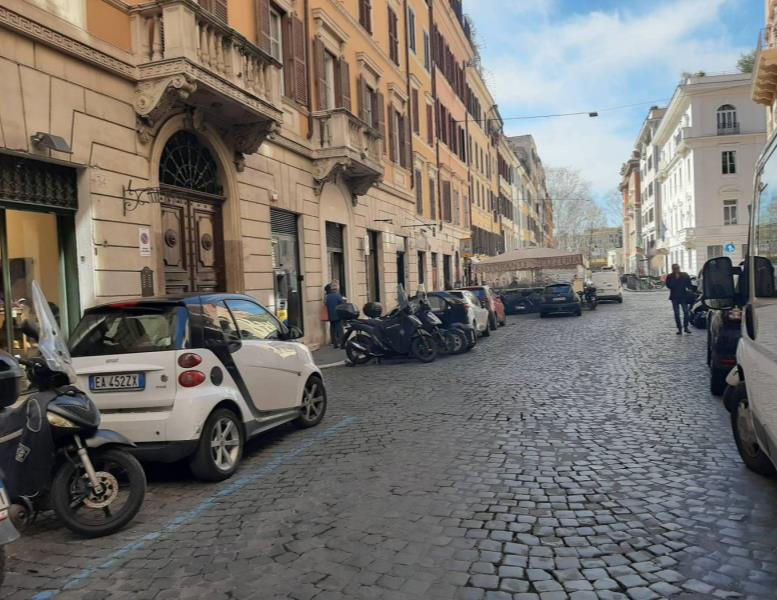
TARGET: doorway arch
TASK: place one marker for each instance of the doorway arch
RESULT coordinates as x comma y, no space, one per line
192,219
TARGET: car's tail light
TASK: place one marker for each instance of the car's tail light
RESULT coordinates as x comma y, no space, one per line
191,378
728,362
189,360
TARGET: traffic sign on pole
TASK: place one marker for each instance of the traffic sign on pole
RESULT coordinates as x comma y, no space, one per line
729,248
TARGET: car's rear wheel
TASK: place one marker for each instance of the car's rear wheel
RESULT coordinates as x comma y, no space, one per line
486,332
220,448
747,444
579,312
314,403
718,381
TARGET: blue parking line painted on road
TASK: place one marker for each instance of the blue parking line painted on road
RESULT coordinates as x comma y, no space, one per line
190,515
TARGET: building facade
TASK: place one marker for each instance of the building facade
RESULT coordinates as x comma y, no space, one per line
652,225
536,207
764,90
264,147
630,188
709,141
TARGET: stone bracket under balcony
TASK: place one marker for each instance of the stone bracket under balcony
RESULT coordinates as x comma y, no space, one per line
191,61
765,69
346,148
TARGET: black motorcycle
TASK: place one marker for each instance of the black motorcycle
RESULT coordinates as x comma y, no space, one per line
588,296
53,453
401,333
448,340
8,532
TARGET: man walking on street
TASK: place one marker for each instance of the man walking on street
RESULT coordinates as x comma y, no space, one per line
679,283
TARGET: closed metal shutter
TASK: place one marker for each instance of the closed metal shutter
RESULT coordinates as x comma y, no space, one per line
334,237
283,222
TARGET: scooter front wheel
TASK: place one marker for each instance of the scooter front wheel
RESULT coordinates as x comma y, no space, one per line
97,513
422,348
356,355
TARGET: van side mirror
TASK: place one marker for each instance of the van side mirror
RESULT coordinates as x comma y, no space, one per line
718,281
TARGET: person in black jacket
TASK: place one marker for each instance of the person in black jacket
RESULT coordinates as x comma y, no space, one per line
679,284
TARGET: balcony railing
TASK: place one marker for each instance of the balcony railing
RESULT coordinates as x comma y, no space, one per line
181,45
347,145
729,129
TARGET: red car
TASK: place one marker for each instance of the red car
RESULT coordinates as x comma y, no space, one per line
491,302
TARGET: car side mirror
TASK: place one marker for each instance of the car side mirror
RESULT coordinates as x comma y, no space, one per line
294,333
718,281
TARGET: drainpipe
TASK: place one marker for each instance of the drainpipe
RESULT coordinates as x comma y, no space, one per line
433,50
308,55
409,97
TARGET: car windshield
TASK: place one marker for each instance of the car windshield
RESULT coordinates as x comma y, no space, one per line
125,330
561,288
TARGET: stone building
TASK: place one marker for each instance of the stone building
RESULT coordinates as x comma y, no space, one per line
631,190
536,204
264,147
652,228
709,140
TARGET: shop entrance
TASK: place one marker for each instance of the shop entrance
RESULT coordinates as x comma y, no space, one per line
192,229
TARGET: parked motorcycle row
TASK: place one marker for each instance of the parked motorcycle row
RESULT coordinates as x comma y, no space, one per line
415,329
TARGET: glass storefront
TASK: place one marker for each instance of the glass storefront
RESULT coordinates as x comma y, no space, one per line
37,243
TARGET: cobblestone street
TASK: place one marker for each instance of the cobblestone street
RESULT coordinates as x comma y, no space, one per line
576,458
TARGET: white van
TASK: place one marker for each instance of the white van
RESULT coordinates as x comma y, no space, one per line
608,285
751,396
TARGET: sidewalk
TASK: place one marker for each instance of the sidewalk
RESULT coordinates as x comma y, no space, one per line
327,357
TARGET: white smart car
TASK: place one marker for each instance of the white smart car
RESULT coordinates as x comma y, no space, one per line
195,376
479,314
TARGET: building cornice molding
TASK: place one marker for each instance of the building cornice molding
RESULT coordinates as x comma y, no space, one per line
66,44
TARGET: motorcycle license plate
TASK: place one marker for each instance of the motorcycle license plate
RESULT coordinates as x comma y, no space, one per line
124,382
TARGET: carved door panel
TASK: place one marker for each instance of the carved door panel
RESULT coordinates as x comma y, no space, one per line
174,242
208,247
194,248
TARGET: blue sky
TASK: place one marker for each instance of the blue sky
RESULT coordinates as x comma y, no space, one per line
552,56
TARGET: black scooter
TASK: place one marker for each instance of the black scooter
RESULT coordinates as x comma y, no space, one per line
52,451
399,334
589,297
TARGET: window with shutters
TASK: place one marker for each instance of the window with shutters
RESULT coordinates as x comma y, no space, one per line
427,52
329,80
429,124
365,15
368,106
432,199
446,201
414,109
216,7
276,37
393,36
294,59
411,29
419,192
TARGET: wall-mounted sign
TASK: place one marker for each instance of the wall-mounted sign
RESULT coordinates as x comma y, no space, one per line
144,241
730,248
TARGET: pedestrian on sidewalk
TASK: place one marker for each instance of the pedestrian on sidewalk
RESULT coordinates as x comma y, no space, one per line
332,300
679,284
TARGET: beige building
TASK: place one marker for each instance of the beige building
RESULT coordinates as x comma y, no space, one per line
630,189
536,205
265,147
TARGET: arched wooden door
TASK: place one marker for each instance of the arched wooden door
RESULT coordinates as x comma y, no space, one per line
192,228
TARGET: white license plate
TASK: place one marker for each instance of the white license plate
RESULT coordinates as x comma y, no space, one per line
117,382
558,299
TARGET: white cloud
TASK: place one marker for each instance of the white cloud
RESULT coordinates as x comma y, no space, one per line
541,60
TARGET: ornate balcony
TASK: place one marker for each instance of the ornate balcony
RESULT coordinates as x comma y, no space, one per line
765,68
189,58
347,147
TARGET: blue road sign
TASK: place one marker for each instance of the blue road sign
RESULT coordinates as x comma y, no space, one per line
729,248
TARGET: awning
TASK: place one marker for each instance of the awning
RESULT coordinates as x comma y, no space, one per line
529,259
